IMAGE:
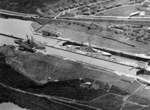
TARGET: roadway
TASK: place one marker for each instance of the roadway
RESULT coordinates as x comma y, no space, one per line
100,64
113,19
110,67
52,47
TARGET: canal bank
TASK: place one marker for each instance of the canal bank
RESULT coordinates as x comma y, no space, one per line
108,84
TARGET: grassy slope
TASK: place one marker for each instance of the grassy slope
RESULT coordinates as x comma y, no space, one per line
122,11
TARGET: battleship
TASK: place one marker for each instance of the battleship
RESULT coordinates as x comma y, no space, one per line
84,56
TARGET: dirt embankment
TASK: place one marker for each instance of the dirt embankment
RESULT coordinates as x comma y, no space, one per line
42,68
37,81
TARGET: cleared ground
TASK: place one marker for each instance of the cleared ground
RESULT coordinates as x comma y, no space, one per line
125,10
100,36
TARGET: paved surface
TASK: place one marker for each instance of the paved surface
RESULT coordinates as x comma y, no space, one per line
50,49
114,19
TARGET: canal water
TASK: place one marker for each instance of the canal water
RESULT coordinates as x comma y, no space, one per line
10,106
17,28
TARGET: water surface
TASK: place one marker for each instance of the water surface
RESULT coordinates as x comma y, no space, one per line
15,27
10,106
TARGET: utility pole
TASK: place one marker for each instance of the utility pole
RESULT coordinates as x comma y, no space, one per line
90,32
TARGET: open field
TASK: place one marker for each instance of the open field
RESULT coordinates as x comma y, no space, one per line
125,10
101,35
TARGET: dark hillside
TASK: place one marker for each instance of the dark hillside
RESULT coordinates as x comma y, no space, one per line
47,7
42,7
27,6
